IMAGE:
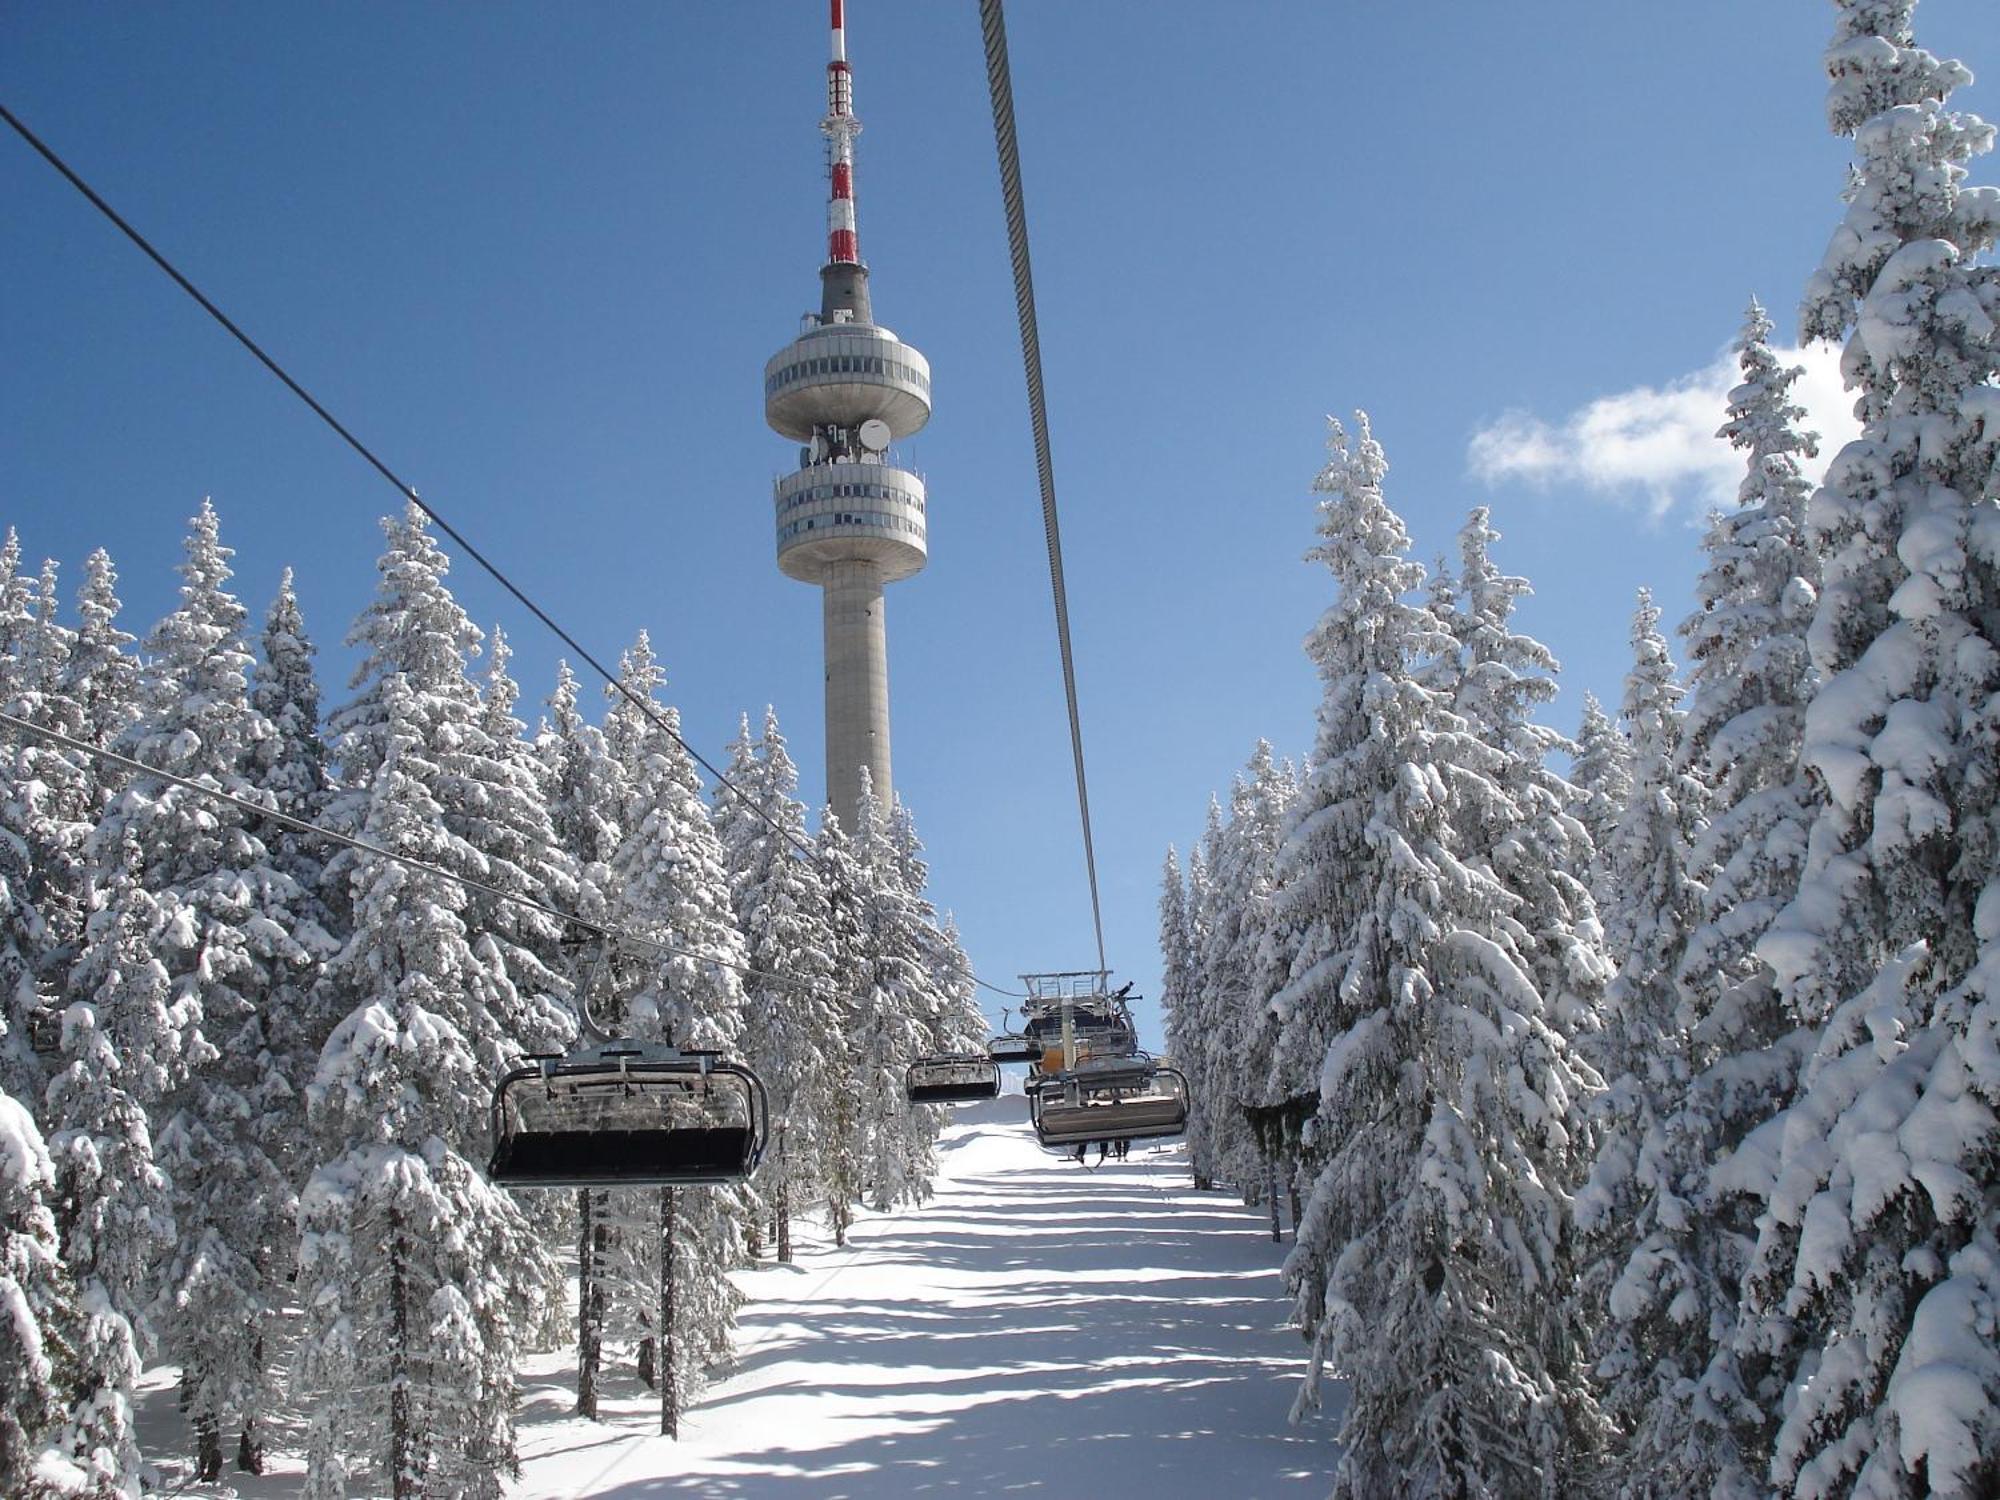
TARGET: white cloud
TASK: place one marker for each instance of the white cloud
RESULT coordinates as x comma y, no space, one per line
1657,445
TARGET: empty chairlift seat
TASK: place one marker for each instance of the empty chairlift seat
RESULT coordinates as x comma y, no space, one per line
953,1078
1072,1108
628,1114
1014,1049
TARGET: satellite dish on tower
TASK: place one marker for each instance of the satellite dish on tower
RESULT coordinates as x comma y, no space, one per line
875,434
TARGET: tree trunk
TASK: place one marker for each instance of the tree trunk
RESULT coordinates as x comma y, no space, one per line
250,1450
783,1214
207,1450
670,1394
645,1363
1271,1192
589,1305
1292,1196
407,1482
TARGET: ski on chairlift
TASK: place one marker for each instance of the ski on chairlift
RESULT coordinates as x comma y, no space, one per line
953,1078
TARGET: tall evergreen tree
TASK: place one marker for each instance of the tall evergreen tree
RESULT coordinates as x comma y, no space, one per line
1878,1263
1637,1205
793,1034
1602,777
1696,1408
225,921
1526,835
668,1284
410,1265
1433,1259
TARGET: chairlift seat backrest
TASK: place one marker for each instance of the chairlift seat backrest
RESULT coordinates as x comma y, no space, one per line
628,1115
953,1078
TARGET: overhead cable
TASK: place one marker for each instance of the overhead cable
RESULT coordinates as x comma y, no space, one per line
349,841
652,713
1000,84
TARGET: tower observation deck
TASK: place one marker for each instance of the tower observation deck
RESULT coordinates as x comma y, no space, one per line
849,519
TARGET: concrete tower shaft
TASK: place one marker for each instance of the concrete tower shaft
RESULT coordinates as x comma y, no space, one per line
850,518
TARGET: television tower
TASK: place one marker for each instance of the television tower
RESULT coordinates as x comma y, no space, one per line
849,519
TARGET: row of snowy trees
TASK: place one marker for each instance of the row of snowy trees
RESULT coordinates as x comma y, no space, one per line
1648,1119
245,1071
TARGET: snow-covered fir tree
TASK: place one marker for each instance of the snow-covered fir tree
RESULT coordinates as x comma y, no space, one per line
793,1033
1197,1019
1601,773
953,1020
1526,835
1433,1259
666,1282
230,929
1878,1263
113,1217
46,1450
410,1265
1696,1412
417,642
893,1007
1240,967
1636,1209
587,806
843,1133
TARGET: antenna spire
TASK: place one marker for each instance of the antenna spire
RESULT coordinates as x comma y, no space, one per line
843,244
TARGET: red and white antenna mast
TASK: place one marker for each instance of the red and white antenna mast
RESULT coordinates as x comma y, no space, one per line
843,244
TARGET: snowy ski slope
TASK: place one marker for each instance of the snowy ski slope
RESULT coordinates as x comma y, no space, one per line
1036,1329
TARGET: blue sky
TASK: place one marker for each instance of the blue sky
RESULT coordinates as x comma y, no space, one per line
537,256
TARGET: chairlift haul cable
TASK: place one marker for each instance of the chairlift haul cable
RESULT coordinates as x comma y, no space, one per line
651,713
999,82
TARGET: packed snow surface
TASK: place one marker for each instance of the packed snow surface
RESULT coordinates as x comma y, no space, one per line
1038,1328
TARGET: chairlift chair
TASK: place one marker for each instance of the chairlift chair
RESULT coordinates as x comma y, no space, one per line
953,1078
628,1114
1071,1108
1014,1049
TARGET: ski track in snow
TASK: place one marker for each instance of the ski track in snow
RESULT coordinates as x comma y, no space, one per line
1035,1329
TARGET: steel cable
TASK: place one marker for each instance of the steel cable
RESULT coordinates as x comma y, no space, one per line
492,570
1000,85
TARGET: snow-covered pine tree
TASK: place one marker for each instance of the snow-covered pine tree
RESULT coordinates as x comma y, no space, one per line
289,768
226,922
1635,1212
1240,974
101,677
1433,1262
410,1264
954,1022
1176,963
891,989
1696,1411
1878,1266
1540,853
60,790
844,1149
587,806
113,1217
793,1034
414,631
65,1416
39,1320
1201,1018
667,1283
1601,774
1188,1041
512,826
